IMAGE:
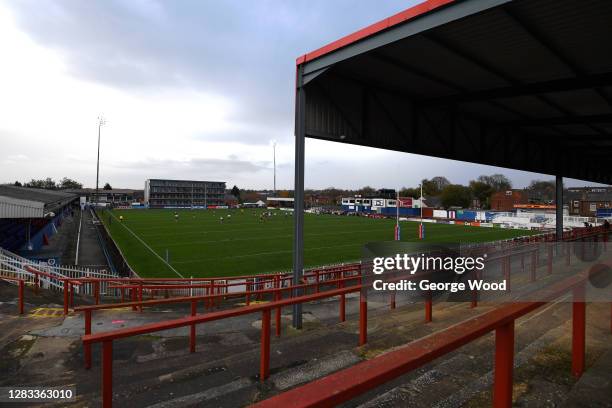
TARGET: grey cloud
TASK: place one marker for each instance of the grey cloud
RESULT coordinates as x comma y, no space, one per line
218,166
252,135
244,51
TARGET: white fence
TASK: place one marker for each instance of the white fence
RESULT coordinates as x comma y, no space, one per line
12,265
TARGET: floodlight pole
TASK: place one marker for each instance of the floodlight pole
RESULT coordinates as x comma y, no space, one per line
274,155
100,123
298,188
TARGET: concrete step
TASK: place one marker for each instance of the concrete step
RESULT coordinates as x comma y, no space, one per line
453,381
594,389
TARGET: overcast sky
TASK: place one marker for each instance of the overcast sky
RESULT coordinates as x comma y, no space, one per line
190,89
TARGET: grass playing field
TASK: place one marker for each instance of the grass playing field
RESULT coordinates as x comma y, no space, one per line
199,245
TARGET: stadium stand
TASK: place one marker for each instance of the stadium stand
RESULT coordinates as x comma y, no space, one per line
29,216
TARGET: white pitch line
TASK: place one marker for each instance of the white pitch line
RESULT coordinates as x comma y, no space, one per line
76,256
146,245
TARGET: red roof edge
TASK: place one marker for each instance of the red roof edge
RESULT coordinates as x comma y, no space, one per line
388,22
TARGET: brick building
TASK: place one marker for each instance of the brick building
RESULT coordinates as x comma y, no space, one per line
506,200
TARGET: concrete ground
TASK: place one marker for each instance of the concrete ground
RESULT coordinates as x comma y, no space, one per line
158,371
90,252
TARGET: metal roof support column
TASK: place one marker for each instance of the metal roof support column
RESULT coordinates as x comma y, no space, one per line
298,203
559,206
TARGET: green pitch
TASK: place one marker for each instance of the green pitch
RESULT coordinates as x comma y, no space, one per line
200,245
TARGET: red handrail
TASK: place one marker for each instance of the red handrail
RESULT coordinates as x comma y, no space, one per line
68,284
21,284
346,384
107,338
277,292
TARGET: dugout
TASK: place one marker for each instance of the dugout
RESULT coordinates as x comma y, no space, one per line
523,84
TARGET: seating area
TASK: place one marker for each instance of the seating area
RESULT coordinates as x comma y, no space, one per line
13,233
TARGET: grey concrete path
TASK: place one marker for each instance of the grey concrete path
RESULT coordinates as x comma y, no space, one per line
90,251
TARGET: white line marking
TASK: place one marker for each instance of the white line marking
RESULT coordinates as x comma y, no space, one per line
146,245
76,256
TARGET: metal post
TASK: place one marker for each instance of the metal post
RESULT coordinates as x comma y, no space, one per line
65,297
101,122
107,374
140,297
97,292
264,364
133,294
87,346
298,204
363,317
578,331
549,260
71,288
21,285
192,328
428,307
504,361
559,207
277,296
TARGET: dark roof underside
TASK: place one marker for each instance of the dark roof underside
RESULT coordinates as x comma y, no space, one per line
523,84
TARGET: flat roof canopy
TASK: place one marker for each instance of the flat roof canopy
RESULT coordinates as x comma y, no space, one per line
23,202
524,84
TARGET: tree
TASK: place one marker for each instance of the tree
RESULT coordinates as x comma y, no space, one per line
542,191
440,182
456,195
107,187
498,182
367,191
69,183
236,192
434,186
482,192
410,192
48,184
17,184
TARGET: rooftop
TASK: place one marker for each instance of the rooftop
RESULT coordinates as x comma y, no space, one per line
47,197
522,84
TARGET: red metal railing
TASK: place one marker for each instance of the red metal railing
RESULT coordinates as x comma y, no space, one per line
67,283
346,384
20,285
223,285
107,338
277,293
